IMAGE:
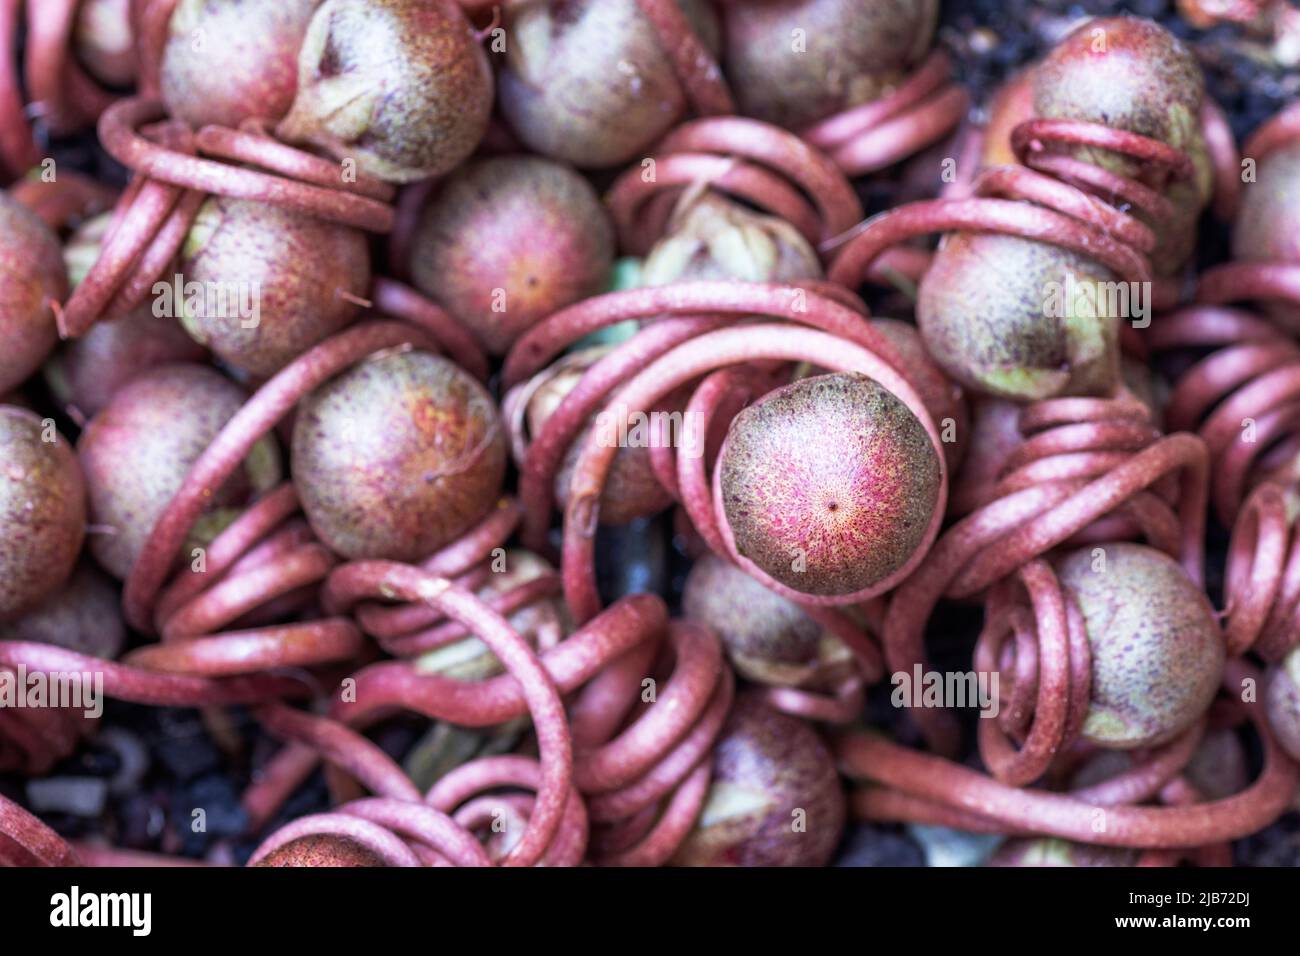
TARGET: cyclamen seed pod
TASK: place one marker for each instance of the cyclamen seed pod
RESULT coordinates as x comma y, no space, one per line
272,282
85,373
321,849
1282,702
588,82
42,510
989,318
1128,73
1267,227
509,240
400,86
1132,74
83,615
712,237
227,61
1157,650
1219,768
31,277
138,449
775,799
397,456
793,62
829,488
768,639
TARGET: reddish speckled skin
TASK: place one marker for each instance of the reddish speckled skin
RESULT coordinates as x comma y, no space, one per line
776,765
1145,81
42,511
1125,72
226,61
31,275
400,86
302,266
397,456
85,373
853,53
1267,227
1282,702
767,638
1157,650
526,226
138,449
834,469
84,615
321,850
586,81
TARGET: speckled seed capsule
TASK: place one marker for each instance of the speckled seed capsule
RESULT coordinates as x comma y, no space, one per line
775,799
767,638
271,283
794,62
42,510
401,87
139,448
1157,650
31,277
509,240
83,615
829,484
588,82
397,456
1282,701
226,61
1267,228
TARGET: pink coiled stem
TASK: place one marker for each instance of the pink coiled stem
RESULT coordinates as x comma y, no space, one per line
917,113
391,298
1070,214
1021,525
380,578
704,354
462,792
26,841
937,781
695,67
594,648
118,132
764,164
258,416
1050,646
